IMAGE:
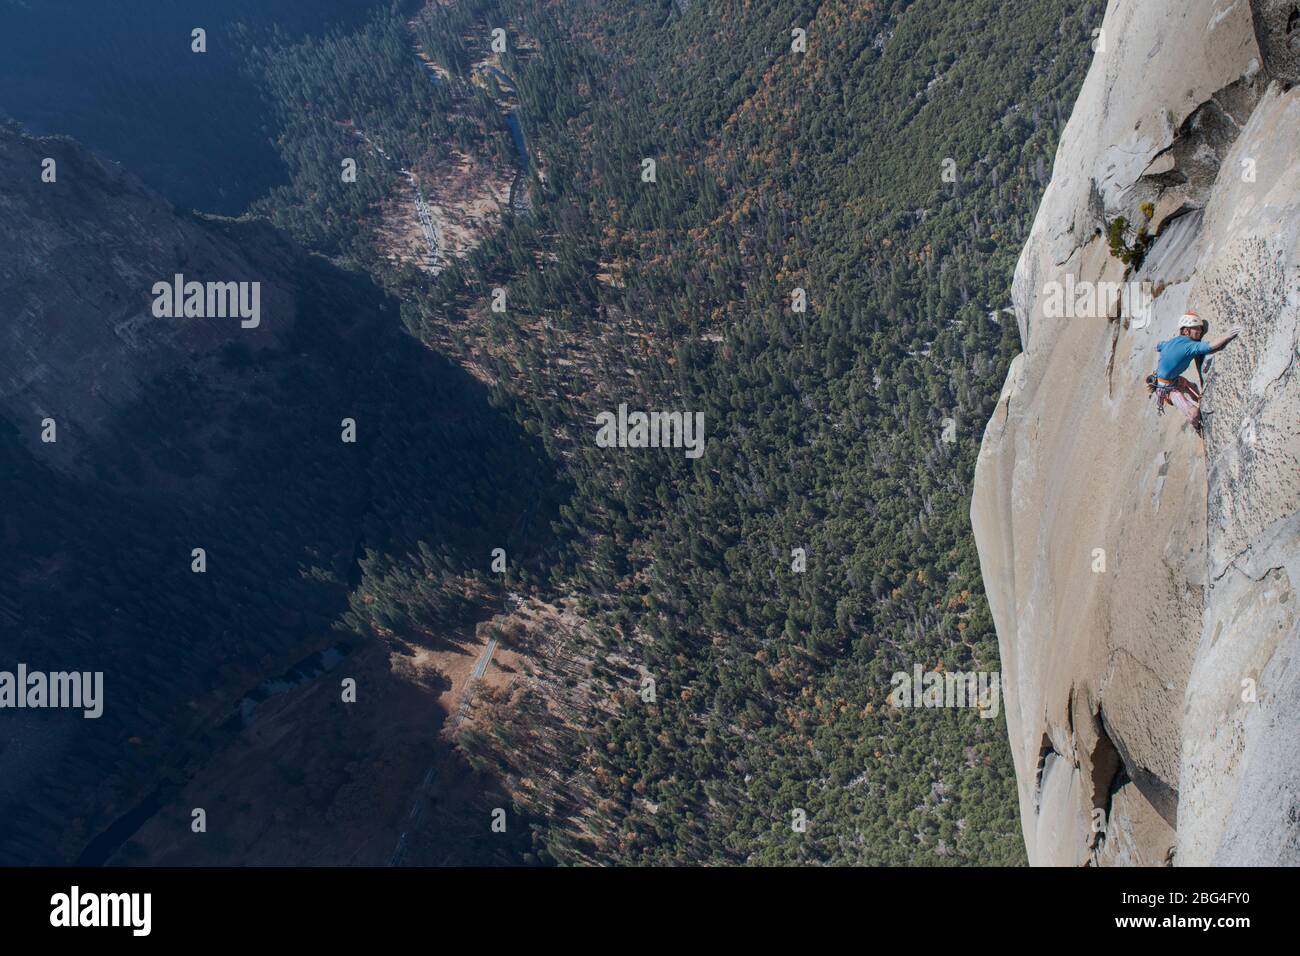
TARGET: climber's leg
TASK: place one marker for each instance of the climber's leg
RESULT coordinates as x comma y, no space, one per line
1188,400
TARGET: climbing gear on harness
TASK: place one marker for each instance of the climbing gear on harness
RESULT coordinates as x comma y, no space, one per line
1160,387
1178,392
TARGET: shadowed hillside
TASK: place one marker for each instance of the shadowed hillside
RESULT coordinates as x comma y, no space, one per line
175,434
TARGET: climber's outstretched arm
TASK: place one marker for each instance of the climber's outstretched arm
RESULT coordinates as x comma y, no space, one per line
1219,345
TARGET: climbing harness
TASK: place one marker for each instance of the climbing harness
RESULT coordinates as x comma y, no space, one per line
1160,388
1163,389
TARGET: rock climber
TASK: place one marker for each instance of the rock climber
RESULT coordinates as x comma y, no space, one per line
1176,354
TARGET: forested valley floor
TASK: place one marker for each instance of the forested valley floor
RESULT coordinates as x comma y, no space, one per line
666,205
774,171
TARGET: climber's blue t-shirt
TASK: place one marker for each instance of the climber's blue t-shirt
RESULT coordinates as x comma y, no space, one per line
1176,354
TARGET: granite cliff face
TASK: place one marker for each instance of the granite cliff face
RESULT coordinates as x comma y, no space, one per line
1145,593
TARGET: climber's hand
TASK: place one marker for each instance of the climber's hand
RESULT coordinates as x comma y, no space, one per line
1218,345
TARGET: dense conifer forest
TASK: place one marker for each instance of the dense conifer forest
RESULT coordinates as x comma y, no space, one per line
820,264
775,171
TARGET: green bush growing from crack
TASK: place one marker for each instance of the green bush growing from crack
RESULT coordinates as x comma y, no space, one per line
1133,255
